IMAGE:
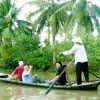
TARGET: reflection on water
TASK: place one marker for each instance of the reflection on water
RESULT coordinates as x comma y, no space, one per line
18,92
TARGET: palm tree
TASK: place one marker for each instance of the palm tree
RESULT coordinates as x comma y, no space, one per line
70,14
50,15
8,16
8,24
84,15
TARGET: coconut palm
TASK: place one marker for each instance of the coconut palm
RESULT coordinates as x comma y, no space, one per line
8,24
84,15
8,16
51,15
70,14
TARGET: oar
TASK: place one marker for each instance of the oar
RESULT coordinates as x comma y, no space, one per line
94,75
69,82
50,87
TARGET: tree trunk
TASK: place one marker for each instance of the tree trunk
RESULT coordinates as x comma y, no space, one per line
48,31
53,48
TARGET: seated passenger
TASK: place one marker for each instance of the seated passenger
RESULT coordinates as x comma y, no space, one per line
17,72
28,78
62,79
26,75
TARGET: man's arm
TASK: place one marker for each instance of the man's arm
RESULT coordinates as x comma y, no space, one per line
71,51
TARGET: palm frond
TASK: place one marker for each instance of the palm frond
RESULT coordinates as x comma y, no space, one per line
40,3
41,21
5,6
24,26
54,23
80,14
96,9
86,22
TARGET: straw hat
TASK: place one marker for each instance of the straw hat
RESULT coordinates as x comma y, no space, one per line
77,40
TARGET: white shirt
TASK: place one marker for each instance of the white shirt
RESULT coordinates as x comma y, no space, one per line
79,51
26,77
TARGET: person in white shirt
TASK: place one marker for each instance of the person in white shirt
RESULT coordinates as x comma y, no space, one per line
27,77
81,60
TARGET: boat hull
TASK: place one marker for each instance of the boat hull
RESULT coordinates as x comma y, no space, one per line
93,85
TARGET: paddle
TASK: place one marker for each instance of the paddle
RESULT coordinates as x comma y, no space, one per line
50,87
69,82
94,75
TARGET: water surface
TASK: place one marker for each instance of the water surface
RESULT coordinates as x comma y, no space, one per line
19,92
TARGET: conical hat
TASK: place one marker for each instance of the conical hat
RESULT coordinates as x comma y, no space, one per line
77,40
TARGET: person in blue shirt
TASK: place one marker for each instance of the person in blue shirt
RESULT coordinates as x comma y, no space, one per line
28,78
26,75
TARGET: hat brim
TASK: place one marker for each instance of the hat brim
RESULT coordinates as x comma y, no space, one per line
77,40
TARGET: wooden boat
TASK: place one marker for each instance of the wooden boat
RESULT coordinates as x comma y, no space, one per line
92,85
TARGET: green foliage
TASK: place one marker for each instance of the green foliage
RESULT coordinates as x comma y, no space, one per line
60,47
93,48
21,44
27,48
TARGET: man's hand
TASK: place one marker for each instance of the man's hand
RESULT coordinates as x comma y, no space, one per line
10,77
31,66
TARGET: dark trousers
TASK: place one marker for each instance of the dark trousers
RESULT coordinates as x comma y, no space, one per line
36,79
82,67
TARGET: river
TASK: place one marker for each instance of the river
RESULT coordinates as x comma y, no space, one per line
19,92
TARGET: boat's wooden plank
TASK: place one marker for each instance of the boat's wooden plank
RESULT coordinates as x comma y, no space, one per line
93,85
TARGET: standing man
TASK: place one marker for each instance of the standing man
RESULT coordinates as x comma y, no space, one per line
81,61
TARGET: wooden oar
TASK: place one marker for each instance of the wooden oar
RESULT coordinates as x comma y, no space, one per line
94,75
53,83
69,82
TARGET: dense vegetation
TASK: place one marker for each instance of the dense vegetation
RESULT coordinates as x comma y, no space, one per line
22,42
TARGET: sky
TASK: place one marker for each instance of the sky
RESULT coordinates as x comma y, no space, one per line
28,8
